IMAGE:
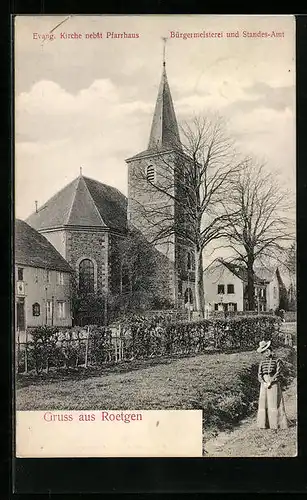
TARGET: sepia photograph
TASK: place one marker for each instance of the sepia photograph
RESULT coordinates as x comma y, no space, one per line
155,236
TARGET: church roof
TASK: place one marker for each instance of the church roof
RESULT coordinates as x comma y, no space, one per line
164,134
34,250
84,202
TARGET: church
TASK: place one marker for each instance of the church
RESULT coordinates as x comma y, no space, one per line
86,220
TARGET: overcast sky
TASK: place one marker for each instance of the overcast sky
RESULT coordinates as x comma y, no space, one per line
89,102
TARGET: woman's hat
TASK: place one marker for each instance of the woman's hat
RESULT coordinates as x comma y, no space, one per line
263,345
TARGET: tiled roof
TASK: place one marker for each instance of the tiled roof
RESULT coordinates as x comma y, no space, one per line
34,250
83,202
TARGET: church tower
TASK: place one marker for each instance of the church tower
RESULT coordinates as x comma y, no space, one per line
153,188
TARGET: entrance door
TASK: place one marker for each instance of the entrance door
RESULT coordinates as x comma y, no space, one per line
21,315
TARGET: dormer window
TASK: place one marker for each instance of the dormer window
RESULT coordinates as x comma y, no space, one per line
150,173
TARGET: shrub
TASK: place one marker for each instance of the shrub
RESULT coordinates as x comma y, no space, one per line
146,337
142,337
100,344
43,348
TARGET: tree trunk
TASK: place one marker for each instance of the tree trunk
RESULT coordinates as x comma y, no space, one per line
199,283
250,284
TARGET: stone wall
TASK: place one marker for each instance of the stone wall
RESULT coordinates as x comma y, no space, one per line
92,245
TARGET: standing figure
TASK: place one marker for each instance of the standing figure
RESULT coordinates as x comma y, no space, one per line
271,408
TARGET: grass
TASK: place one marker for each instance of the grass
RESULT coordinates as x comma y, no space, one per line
224,386
248,441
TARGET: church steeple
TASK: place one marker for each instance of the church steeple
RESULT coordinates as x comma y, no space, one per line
164,132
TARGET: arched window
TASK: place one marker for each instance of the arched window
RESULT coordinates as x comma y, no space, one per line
150,173
86,276
36,309
189,261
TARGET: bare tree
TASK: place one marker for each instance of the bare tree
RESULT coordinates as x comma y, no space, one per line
183,201
261,225
142,272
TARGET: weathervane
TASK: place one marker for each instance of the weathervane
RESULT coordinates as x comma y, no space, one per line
164,38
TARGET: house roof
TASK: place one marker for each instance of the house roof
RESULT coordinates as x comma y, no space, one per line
241,272
83,202
34,250
164,134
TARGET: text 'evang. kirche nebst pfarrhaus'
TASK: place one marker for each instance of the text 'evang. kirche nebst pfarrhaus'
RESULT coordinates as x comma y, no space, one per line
63,35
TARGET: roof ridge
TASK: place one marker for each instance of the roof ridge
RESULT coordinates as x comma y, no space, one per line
90,194
73,199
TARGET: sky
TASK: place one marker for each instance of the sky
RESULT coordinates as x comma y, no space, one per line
88,102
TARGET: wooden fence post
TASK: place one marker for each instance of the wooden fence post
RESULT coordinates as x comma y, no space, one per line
86,347
26,352
115,349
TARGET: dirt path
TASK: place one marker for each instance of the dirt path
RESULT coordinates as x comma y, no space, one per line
248,441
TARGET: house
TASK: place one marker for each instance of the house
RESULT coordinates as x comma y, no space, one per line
225,287
42,281
274,283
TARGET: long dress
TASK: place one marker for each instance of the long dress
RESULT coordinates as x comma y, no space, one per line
271,408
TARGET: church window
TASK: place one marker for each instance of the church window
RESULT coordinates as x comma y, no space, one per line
188,296
150,173
86,276
189,261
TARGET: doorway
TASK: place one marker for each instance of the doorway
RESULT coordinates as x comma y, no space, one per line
21,323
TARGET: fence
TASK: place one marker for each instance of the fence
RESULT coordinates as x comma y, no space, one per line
231,314
70,348
141,338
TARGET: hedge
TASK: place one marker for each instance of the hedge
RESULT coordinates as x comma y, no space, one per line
145,338
141,338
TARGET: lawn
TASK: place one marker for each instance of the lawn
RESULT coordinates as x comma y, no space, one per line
225,386
248,441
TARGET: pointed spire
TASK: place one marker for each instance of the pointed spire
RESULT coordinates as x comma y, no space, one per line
164,38
164,129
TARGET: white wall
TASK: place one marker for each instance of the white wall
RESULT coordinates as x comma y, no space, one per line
220,275
273,294
37,290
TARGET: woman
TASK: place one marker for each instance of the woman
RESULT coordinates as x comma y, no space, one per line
271,408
